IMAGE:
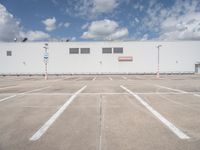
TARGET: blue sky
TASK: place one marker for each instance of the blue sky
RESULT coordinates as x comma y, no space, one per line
90,20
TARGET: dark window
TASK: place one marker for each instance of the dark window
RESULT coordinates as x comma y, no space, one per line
9,53
118,50
74,50
106,50
85,50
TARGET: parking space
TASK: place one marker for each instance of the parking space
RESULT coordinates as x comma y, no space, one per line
127,125
181,113
76,128
104,112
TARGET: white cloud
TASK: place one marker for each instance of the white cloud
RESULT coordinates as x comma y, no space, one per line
138,6
9,26
85,26
35,35
118,34
145,37
10,29
66,24
73,38
182,27
50,23
91,8
179,22
104,6
62,39
105,30
55,2
137,20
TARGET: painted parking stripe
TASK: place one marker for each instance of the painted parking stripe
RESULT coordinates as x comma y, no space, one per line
124,77
167,123
104,93
19,94
9,97
168,88
196,95
94,79
45,127
56,80
110,78
7,87
177,90
77,79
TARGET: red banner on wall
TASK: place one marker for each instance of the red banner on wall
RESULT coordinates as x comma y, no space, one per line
125,58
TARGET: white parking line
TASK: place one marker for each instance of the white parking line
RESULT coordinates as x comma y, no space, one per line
196,95
104,93
65,78
9,97
45,127
7,87
56,80
177,90
59,94
124,77
110,78
94,79
77,79
177,103
172,127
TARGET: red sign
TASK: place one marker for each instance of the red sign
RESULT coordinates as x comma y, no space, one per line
125,58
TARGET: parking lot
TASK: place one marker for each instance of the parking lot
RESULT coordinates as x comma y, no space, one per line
100,112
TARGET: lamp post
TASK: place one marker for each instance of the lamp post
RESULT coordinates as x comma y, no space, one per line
158,71
46,56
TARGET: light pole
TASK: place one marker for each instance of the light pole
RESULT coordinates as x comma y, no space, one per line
46,56
158,71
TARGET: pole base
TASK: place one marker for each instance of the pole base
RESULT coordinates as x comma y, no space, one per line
46,78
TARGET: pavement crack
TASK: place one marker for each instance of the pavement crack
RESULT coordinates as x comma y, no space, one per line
100,122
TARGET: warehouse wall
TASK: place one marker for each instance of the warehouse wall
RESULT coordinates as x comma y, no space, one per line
27,58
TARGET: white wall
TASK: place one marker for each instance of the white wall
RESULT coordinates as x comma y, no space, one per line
28,57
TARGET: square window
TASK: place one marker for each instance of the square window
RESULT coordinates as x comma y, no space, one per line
118,50
74,50
9,53
107,50
85,50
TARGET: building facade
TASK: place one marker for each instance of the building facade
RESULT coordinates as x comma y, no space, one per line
100,57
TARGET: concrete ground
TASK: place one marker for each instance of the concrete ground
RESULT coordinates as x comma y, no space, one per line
102,112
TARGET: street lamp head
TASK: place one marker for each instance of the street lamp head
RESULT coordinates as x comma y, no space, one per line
159,46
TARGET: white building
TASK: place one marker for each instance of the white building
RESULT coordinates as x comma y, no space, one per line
100,57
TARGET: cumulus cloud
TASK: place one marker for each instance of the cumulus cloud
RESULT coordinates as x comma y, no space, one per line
118,34
50,23
182,27
105,30
103,6
66,24
178,22
35,35
91,8
85,26
62,39
10,28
